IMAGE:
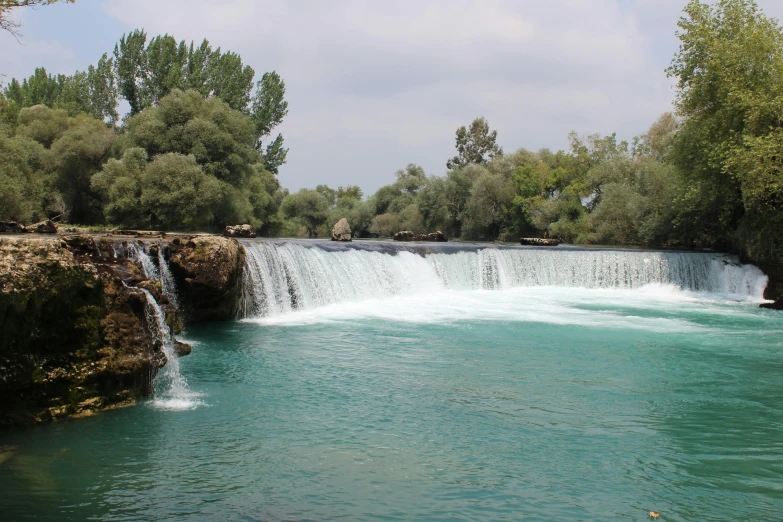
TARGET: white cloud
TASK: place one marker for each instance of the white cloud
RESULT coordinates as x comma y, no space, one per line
373,85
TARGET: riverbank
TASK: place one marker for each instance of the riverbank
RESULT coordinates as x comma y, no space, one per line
77,316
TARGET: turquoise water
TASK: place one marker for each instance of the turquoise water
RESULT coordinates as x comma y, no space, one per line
535,404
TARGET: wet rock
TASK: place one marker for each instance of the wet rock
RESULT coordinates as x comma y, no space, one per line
73,336
208,270
82,244
407,235
341,231
12,227
44,227
239,231
775,305
437,237
182,349
539,241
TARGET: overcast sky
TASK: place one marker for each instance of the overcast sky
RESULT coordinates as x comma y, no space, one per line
375,85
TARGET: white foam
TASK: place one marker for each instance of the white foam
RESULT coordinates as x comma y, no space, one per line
281,278
551,305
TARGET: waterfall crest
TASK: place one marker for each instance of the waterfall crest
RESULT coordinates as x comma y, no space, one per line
282,276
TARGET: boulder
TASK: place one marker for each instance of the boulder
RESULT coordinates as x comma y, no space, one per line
407,235
12,227
775,305
341,231
239,231
44,227
404,235
208,271
182,349
539,241
437,237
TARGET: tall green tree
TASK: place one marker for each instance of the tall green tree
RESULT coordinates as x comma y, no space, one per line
475,145
729,71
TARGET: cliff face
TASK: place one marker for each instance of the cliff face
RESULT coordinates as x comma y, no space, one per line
208,272
75,329
74,336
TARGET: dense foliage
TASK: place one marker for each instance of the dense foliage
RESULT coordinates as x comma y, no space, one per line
191,153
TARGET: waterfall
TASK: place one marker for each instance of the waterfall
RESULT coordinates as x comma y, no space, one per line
138,253
282,276
171,388
167,279
157,272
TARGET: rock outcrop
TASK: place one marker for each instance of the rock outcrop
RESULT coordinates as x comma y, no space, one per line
407,235
12,227
539,241
341,231
73,333
775,305
44,227
208,272
239,231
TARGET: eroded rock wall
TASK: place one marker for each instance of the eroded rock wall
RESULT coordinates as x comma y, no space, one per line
74,337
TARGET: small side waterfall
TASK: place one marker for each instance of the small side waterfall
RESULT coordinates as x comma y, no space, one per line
167,279
282,276
171,388
157,272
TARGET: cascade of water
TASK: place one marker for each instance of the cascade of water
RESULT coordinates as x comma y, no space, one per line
167,279
170,384
285,276
157,272
139,254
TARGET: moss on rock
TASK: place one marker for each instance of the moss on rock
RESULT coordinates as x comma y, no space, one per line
73,337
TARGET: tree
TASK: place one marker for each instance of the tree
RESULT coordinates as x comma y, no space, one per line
490,199
176,193
268,108
308,206
385,225
729,72
218,137
26,191
475,145
131,69
7,7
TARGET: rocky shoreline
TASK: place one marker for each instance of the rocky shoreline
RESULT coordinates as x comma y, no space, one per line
75,336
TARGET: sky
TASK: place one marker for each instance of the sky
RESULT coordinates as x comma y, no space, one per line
374,85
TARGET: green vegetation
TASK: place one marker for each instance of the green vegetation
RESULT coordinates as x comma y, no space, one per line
195,152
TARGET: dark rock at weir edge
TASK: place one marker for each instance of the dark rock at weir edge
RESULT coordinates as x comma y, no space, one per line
538,241
407,235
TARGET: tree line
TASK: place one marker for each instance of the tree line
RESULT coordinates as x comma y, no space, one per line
194,152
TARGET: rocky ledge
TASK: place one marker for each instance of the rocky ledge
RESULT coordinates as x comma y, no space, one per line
407,235
538,241
74,337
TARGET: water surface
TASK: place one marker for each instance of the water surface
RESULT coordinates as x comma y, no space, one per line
523,403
